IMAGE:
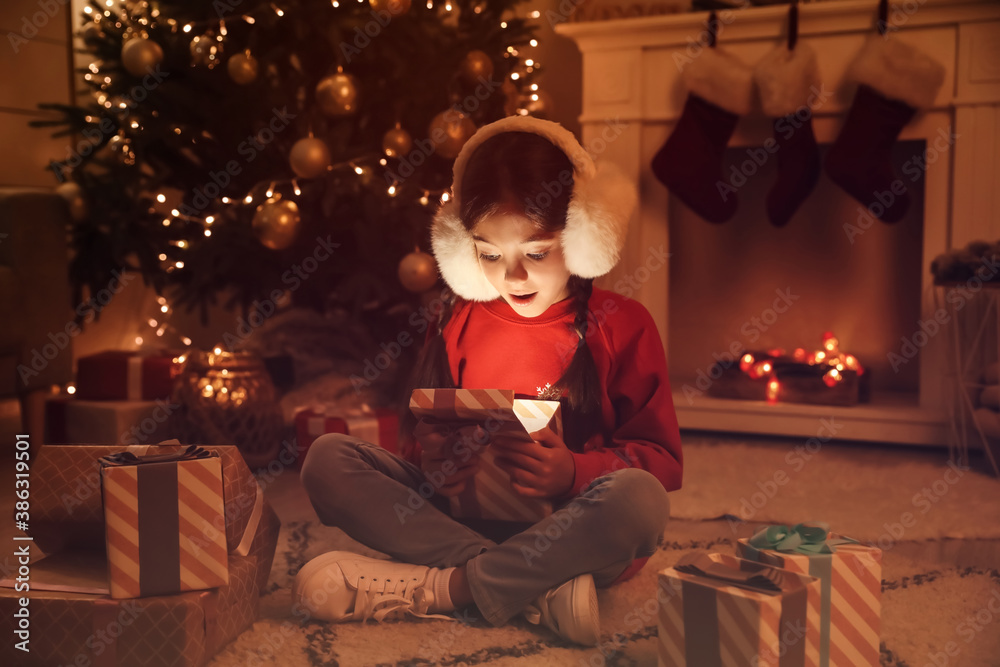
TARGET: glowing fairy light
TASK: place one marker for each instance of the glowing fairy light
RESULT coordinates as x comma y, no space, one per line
832,363
772,390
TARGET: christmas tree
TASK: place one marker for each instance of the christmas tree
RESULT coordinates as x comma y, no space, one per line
291,151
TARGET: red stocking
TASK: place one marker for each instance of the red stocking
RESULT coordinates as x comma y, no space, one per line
720,89
788,81
894,80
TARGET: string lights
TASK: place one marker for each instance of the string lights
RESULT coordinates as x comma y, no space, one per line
142,19
829,357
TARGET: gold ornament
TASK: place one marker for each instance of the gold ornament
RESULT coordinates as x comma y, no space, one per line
206,50
540,105
226,398
397,142
276,223
393,7
243,68
477,65
139,55
73,194
337,95
418,272
449,130
309,157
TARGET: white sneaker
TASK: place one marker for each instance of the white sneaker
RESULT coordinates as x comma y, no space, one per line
570,610
342,586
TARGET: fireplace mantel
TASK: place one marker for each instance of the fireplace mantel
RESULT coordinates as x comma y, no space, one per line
632,97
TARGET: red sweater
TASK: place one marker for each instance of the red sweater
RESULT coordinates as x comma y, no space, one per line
490,346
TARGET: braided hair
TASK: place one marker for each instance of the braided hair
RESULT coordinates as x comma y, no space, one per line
518,172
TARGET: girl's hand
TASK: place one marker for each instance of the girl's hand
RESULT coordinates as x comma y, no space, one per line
541,469
449,456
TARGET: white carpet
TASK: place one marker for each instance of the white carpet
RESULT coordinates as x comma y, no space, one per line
860,490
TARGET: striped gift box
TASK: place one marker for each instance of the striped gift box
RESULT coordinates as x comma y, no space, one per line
716,618
162,514
851,603
490,495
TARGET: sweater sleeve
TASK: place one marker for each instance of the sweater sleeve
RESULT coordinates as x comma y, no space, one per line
646,433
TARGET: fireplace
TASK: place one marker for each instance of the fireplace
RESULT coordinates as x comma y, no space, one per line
872,289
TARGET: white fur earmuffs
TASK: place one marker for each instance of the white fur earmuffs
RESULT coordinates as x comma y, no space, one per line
601,204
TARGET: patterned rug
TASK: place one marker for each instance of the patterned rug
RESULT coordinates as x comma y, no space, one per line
927,608
940,589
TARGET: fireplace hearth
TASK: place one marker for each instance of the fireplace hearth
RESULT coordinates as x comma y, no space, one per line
866,280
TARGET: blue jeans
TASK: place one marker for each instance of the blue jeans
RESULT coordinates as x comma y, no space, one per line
386,503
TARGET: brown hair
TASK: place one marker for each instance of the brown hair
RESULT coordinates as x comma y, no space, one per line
524,173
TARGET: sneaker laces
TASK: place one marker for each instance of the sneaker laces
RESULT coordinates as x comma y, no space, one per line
391,598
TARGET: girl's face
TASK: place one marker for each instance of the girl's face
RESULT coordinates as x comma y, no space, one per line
525,265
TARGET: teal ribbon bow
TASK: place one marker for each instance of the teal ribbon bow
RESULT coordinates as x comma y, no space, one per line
803,538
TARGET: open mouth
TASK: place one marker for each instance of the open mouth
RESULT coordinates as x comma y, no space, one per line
523,299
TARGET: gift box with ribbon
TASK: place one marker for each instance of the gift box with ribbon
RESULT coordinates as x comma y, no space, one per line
67,510
163,515
490,494
379,426
83,625
121,375
851,576
720,610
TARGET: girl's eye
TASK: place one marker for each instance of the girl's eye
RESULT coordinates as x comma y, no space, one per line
539,255
489,258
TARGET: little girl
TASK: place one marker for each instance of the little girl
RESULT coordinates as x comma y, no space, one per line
532,221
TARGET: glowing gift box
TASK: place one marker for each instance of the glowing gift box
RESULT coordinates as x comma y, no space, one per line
490,494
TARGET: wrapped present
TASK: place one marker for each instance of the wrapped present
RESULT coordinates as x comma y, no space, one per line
67,512
379,426
851,576
490,494
75,628
69,419
120,375
719,610
163,516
